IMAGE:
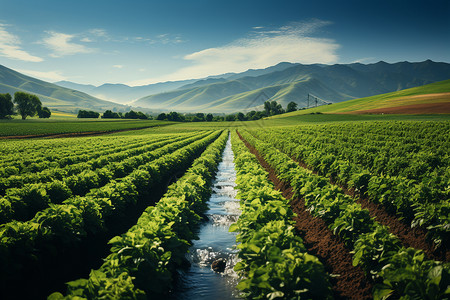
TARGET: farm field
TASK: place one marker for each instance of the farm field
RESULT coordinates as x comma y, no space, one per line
432,98
66,125
333,206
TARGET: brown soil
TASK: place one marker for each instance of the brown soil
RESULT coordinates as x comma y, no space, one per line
70,134
426,108
410,237
349,282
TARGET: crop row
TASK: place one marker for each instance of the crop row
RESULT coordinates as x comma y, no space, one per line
22,203
96,158
398,272
274,263
406,155
59,227
422,203
143,260
64,154
43,149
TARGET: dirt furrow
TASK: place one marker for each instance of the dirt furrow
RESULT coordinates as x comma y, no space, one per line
410,237
348,282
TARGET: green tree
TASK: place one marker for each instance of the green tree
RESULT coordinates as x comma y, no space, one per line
108,114
230,118
209,117
6,106
161,116
292,106
174,116
88,114
44,113
200,116
240,116
27,104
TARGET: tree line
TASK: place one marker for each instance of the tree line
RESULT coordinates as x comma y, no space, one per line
25,105
109,114
271,108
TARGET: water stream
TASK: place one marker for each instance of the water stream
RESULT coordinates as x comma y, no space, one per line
199,281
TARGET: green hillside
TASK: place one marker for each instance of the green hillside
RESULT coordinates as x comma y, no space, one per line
331,83
51,95
422,96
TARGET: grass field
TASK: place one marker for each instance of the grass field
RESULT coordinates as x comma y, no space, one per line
422,96
65,125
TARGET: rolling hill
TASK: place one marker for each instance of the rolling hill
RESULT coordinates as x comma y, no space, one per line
122,93
293,82
53,96
432,98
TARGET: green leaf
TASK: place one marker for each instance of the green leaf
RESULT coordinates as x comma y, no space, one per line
275,295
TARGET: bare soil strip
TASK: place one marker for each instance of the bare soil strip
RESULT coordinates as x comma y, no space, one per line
410,237
349,282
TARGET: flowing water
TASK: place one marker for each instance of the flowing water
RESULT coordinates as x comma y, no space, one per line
199,281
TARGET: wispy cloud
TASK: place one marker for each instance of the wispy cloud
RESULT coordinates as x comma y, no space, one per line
118,66
50,76
263,48
10,47
99,32
61,44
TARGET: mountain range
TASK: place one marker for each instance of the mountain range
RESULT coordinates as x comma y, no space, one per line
232,92
329,83
53,96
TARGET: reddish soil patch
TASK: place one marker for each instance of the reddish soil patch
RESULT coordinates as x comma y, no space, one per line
426,108
350,282
70,134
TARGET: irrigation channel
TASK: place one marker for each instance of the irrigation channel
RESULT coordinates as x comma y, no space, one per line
199,281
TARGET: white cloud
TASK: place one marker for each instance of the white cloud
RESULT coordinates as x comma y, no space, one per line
292,43
61,44
118,66
50,76
10,47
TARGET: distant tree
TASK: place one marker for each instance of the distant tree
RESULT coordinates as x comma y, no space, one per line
83,114
218,119
292,106
6,106
108,114
174,116
273,108
44,113
230,118
131,115
200,116
27,104
276,108
240,116
209,117
161,116
267,107
141,115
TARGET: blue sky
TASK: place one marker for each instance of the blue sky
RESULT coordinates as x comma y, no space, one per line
141,42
